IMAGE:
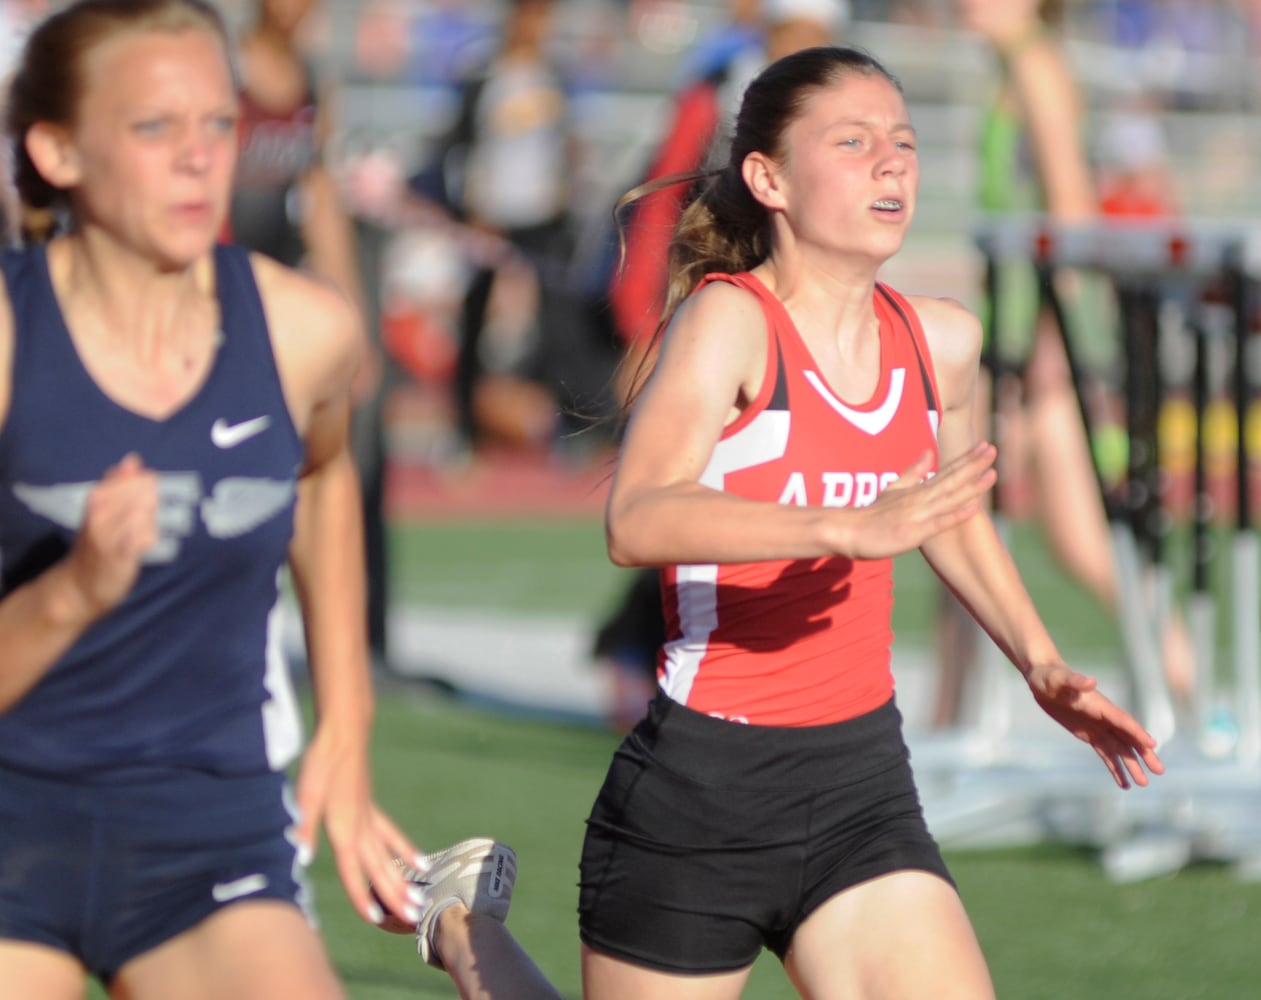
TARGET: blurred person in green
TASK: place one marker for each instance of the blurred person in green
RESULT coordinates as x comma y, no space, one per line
1033,158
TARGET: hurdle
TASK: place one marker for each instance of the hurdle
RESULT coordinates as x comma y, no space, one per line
992,785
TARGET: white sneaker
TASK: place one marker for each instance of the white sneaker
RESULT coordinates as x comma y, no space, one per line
479,873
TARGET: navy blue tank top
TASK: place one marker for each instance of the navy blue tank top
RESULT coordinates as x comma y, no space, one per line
187,672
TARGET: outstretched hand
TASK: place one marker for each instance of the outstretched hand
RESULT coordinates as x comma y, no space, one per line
914,508
1127,750
334,791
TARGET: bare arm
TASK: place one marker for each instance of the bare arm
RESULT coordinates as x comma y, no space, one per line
42,619
975,564
317,337
972,559
660,511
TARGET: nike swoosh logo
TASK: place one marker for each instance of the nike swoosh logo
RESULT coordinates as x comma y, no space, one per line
226,435
491,866
224,892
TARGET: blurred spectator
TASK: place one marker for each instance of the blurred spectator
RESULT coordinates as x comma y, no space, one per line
1136,179
16,19
504,169
740,32
446,41
286,204
702,109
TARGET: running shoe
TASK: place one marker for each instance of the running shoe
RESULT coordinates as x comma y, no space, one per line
478,873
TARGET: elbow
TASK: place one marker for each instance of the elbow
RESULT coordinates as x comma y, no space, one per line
620,554
620,539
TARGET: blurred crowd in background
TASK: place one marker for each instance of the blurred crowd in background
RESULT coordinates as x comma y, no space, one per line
1169,85
492,317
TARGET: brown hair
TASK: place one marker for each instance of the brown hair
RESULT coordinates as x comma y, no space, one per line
722,226
49,83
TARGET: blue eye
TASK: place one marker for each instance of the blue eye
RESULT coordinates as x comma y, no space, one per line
151,126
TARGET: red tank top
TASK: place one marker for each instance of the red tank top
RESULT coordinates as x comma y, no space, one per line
801,642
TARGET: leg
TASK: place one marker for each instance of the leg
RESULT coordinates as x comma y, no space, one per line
368,445
608,978
468,365
903,936
245,951
484,960
1070,504
1068,496
957,648
625,649
465,892
36,970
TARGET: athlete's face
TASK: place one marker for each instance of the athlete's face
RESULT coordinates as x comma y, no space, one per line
155,142
850,169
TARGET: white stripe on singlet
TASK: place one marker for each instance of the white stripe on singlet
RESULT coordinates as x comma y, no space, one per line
282,719
763,439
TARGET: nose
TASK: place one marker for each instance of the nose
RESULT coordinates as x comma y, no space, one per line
893,158
195,149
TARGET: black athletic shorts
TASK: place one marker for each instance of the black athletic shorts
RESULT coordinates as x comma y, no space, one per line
711,839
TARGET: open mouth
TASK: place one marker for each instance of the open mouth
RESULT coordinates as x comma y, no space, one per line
888,205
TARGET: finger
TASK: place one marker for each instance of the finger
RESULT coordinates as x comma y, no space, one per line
356,883
128,465
1138,756
1128,727
981,455
914,475
945,520
401,900
1135,766
1151,760
1114,769
960,485
1080,683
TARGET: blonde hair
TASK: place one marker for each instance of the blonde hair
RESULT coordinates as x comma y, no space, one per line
49,83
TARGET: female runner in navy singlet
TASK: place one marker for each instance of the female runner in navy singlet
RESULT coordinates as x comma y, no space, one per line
173,433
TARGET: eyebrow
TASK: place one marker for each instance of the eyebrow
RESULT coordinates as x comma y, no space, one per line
864,123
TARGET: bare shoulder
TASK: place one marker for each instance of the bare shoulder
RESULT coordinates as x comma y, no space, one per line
952,330
316,332
721,313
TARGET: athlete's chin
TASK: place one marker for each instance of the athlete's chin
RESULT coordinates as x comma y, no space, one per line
179,251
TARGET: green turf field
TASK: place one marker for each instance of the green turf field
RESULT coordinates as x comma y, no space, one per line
1050,924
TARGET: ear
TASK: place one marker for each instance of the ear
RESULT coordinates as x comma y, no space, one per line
54,155
763,178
